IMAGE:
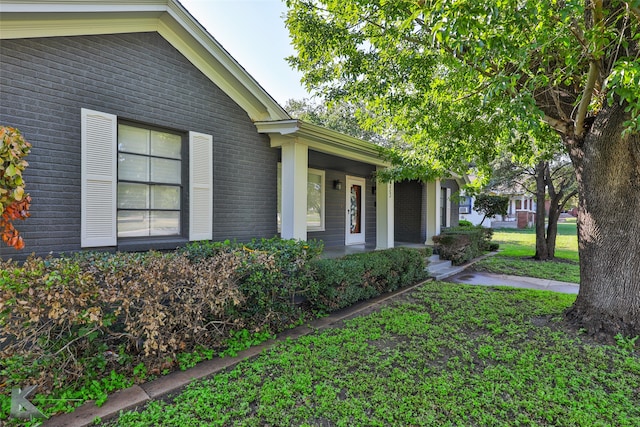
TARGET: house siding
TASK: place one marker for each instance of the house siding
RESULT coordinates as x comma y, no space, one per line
335,200
408,212
44,82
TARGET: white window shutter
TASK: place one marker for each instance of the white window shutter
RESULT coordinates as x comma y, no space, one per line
200,186
98,178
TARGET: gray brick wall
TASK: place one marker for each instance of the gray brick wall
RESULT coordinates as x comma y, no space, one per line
44,82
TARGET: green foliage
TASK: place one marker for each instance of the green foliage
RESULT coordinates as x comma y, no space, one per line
462,244
341,117
626,343
272,274
465,223
338,283
491,205
624,85
82,326
563,271
461,81
517,250
242,340
448,355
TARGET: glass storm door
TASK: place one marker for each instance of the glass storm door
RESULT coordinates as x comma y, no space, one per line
355,210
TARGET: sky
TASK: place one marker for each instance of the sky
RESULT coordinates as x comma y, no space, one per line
253,32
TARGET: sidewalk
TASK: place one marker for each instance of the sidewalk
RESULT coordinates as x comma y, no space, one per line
491,279
138,395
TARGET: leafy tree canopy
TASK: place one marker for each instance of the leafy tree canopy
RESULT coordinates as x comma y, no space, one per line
338,116
459,80
491,205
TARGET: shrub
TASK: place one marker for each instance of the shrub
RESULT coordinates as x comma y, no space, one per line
465,223
88,324
269,288
338,283
461,244
71,319
14,202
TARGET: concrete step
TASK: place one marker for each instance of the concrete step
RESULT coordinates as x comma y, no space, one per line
441,269
439,264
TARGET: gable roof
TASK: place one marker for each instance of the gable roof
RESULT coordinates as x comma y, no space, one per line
54,18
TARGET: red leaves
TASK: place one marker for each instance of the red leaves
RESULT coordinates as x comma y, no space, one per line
14,203
16,210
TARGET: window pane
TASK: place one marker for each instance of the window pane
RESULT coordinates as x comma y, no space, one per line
165,197
314,200
133,223
166,144
133,196
133,140
165,223
132,167
166,171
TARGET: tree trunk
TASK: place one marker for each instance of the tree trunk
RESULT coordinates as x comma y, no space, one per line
542,249
608,173
552,229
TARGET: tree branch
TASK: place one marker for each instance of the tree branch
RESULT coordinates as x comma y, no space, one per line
559,125
587,94
592,76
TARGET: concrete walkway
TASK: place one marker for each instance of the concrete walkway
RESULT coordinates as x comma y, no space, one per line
138,395
491,279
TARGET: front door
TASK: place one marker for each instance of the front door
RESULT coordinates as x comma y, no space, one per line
355,210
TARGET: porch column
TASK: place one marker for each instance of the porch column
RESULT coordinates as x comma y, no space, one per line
385,233
448,208
295,161
431,210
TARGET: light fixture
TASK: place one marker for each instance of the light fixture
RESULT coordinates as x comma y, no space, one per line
337,184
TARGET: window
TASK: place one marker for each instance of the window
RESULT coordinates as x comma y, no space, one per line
133,182
464,205
315,199
149,182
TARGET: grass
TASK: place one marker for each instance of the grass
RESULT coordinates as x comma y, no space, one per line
517,247
446,355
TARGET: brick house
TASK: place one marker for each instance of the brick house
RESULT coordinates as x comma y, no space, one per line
147,134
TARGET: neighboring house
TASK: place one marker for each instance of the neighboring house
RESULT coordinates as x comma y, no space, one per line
467,213
147,134
522,209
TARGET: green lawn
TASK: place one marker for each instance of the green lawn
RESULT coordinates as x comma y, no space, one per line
447,355
522,242
518,246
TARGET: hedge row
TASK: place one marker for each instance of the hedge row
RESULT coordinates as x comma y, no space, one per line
69,321
343,282
462,244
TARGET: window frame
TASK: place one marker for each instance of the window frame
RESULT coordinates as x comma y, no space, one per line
183,186
323,186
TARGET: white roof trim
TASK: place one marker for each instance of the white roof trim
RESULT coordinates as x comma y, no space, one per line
49,18
323,140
